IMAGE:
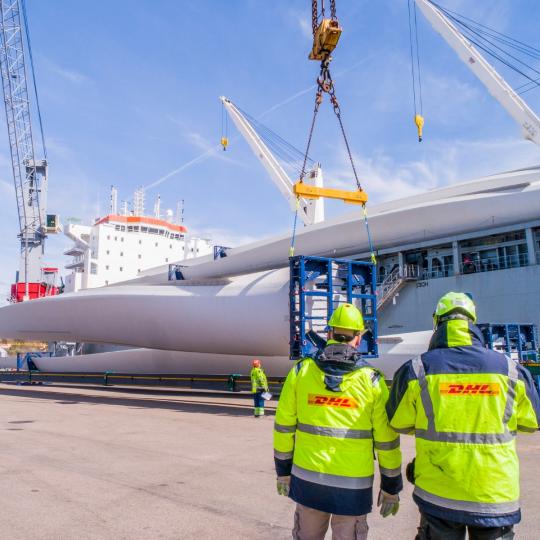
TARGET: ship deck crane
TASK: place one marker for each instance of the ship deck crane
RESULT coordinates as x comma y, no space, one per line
310,210
492,80
29,172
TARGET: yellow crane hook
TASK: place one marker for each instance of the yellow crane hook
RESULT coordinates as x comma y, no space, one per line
419,121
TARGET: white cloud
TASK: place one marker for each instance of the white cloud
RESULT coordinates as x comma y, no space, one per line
71,75
305,26
447,162
224,237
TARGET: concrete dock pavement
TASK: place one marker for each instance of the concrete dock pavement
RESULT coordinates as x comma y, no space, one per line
113,463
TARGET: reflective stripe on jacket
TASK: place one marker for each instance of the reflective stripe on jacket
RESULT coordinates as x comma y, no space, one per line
258,380
326,439
465,403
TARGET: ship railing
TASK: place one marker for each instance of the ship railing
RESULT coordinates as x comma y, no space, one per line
490,264
478,265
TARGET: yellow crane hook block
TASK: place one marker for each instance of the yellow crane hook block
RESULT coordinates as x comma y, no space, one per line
325,39
224,143
419,121
312,192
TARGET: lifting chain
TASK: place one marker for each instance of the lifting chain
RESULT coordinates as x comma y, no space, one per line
315,13
325,84
314,16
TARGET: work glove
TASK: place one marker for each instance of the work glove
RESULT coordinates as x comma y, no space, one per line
282,484
409,471
389,503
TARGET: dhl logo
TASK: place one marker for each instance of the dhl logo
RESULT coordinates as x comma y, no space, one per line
331,401
478,389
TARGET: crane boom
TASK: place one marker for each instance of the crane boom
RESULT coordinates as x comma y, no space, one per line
29,173
310,211
492,80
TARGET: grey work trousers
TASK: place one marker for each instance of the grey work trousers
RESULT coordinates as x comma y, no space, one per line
311,524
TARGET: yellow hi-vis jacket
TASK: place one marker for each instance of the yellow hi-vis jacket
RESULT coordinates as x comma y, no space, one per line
258,380
325,438
465,404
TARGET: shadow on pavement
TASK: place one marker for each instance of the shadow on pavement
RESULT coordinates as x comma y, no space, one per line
179,403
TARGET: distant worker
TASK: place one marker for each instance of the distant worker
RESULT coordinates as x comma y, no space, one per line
330,418
465,404
259,385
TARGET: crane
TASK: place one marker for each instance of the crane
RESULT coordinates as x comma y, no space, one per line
29,172
310,210
492,80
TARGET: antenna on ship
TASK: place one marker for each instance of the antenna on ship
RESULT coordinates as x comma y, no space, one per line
180,212
138,202
114,201
157,207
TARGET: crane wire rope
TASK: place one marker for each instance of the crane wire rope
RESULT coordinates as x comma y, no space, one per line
416,76
33,72
484,38
287,152
325,84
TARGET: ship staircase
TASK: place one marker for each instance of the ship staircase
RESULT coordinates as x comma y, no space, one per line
394,282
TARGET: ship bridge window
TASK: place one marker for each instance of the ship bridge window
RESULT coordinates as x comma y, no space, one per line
136,228
144,229
153,230
117,227
130,228
161,232
123,228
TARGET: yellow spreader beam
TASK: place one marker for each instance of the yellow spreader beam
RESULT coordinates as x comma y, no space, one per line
311,192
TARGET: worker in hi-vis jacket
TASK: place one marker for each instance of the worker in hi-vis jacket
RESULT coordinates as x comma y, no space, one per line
259,385
465,404
330,419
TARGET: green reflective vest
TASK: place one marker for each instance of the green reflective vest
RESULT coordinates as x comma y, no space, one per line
328,438
465,403
258,380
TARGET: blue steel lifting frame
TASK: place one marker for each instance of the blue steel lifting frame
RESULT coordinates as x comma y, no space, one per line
513,333
359,287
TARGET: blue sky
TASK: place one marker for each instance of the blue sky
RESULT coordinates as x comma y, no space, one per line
129,92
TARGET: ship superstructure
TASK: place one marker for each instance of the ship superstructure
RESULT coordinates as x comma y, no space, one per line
119,246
